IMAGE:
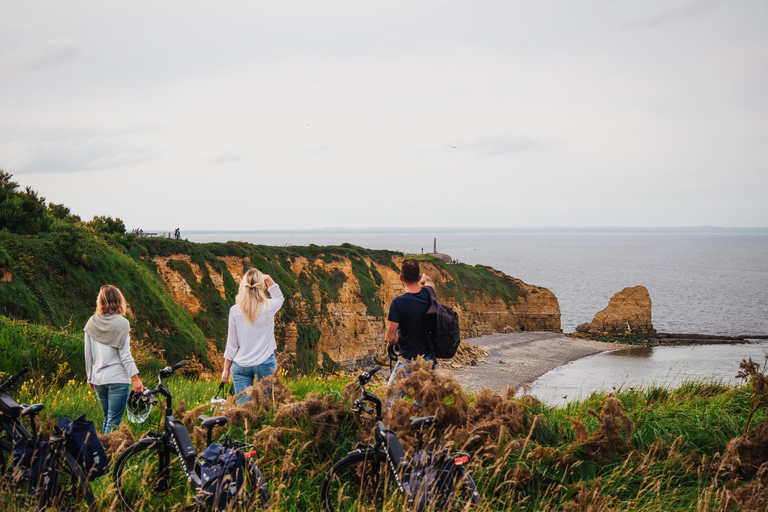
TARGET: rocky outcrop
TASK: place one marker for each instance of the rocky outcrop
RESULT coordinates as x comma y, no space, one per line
628,310
346,321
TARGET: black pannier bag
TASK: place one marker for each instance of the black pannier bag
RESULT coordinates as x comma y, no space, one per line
221,477
83,444
33,470
431,482
441,324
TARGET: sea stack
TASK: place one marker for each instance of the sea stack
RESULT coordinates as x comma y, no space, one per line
628,310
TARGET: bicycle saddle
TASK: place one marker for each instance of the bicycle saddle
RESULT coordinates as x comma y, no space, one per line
417,422
210,422
32,409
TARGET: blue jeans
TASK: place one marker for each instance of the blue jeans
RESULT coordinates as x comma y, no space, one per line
113,399
400,367
244,376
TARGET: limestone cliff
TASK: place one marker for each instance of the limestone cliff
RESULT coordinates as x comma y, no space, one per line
628,310
337,303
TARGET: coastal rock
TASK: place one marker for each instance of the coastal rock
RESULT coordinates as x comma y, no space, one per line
628,310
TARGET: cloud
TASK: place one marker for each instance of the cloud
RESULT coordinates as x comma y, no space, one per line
682,12
43,54
312,151
62,156
506,145
229,156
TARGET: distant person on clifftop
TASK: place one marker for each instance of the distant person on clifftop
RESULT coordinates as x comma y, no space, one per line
109,364
250,350
406,314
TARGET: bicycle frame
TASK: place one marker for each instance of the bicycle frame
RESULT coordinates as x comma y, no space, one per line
174,432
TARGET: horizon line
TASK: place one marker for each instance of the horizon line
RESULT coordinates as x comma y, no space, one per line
427,229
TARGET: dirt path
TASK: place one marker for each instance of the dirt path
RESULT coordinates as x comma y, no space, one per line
520,358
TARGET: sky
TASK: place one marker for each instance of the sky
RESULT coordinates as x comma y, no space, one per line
258,115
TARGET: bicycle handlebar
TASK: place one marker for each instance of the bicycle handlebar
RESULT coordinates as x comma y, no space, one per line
12,380
168,370
363,379
366,376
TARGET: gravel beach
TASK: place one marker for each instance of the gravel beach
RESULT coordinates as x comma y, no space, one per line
519,358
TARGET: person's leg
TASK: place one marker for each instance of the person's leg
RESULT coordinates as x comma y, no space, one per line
266,368
399,366
102,393
242,377
118,400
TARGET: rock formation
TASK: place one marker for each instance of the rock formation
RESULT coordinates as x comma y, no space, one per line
628,310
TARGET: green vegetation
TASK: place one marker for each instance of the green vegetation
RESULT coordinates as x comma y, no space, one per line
467,281
52,266
697,447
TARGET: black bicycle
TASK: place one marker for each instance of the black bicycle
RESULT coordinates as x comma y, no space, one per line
158,472
59,482
378,476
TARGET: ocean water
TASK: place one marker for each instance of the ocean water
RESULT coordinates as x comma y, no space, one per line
705,283
642,367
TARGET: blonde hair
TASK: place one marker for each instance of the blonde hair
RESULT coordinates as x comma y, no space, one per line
110,301
251,296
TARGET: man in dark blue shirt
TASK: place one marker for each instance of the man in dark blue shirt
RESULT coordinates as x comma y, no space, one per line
406,315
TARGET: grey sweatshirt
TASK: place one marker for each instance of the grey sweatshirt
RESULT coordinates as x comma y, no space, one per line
108,365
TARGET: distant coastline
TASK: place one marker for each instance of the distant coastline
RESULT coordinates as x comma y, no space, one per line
532,230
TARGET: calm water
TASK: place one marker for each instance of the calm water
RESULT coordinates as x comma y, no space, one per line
643,367
698,283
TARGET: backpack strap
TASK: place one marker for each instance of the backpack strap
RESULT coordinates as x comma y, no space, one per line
432,310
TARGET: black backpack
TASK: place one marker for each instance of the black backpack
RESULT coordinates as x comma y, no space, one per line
221,477
442,328
33,469
431,484
83,444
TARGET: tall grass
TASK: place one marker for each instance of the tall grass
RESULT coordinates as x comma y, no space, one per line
638,449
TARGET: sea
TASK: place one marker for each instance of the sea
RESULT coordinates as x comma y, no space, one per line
700,280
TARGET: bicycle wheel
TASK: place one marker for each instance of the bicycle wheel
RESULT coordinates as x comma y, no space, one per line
360,482
5,456
143,485
464,495
73,486
254,494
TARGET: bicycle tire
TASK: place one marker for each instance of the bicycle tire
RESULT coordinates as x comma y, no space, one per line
465,494
254,493
74,487
6,447
139,483
360,482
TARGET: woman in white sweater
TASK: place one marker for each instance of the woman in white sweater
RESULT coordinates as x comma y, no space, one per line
250,351
108,360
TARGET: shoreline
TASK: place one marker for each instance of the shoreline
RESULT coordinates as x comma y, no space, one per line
517,359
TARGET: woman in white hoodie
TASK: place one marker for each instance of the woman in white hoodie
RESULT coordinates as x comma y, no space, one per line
108,360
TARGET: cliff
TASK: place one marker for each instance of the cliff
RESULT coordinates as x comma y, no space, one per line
52,266
338,298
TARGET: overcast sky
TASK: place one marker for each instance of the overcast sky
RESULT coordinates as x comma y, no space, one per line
278,115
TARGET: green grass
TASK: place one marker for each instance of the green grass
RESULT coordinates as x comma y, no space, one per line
667,466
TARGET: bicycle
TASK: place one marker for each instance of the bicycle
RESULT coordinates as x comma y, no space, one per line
67,486
376,476
157,472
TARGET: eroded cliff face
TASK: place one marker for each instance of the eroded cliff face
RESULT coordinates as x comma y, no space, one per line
336,321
